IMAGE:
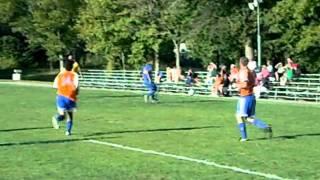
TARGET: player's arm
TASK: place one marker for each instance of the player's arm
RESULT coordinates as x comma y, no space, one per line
243,85
55,82
76,82
243,81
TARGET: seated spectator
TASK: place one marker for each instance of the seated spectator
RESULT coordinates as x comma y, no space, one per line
233,73
270,67
252,65
221,84
211,73
189,77
263,77
218,85
296,70
283,80
289,69
280,71
169,74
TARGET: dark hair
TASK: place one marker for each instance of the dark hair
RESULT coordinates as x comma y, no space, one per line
69,65
244,61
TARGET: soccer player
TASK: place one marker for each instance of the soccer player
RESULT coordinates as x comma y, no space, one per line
149,84
66,83
247,102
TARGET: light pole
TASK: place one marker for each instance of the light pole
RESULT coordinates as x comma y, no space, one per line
252,6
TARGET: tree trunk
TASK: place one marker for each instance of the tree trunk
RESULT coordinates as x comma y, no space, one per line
156,62
177,53
51,65
248,49
110,63
123,61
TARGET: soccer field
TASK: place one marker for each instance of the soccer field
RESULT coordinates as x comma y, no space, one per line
117,136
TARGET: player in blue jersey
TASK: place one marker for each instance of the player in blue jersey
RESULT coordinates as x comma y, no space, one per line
149,84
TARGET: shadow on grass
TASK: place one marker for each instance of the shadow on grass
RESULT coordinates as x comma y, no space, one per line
24,129
193,101
285,137
116,96
57,141
151,130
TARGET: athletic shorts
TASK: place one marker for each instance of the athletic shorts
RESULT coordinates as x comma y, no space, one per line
65,104
246,106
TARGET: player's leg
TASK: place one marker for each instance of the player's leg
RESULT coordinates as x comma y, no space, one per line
69,123
60,114
255,121
241,117
148,95
153,92
71,105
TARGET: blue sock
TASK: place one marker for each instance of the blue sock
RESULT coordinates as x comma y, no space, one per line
59,117
69,126
243,131
259,123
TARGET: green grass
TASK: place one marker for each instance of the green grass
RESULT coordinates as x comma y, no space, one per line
195,127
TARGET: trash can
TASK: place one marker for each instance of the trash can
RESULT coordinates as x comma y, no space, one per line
16,76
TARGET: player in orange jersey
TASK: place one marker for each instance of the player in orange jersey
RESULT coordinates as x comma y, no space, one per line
67,84
247,102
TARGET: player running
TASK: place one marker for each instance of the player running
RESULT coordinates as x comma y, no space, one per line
149,84
247,102
67,84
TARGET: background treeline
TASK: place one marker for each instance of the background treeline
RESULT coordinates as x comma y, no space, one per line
124,34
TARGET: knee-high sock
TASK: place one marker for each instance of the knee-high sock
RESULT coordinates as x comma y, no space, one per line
259,123
243,130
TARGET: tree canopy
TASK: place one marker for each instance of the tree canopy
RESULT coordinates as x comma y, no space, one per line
125,34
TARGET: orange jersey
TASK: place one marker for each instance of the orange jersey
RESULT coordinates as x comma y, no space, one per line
246,75
67,83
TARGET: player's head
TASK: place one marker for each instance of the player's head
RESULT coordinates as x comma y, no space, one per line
244,62
69,65
70,58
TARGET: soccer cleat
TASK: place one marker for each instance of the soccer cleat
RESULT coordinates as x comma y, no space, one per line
268,131
55,123
154,101
243,140
146,98
68,133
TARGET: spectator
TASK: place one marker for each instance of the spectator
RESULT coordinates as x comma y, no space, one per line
270,67
189,78
296,70
280,71
263,77
233,73
176,74
169,74
221,84
252,65
289,71
212,72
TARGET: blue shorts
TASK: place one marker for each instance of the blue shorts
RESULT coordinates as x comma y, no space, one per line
65,104
246,106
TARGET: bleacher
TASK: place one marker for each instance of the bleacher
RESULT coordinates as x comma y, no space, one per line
306,87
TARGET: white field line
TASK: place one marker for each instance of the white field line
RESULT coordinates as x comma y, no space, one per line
209,163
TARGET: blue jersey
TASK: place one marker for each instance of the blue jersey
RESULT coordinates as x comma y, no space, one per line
147,73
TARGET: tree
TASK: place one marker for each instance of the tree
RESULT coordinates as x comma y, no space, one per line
294,31
48,24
